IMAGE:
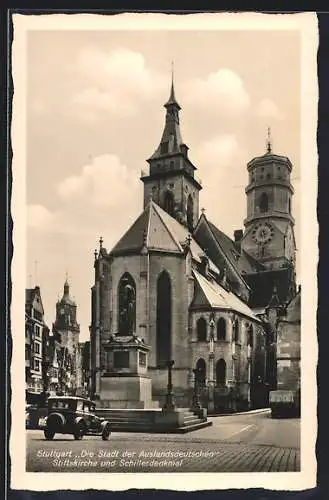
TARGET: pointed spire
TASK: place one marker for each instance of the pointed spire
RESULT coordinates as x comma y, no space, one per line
66,286
172,98
274,301
269,141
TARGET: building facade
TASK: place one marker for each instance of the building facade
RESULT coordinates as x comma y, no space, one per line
189,291
35,329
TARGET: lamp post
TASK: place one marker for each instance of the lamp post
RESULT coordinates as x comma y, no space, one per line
169,402
196,401
211,404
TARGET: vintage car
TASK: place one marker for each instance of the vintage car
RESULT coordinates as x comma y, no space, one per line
76,416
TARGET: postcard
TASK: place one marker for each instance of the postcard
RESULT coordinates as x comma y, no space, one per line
165,251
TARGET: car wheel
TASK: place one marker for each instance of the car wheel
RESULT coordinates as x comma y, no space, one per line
78,432
49,434
106,433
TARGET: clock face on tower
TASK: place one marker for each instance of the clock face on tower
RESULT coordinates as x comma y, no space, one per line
262,233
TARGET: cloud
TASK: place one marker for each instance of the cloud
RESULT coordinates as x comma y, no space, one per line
268,109
39,217
116,81
222,163
223,90
104,182
218,152
90,102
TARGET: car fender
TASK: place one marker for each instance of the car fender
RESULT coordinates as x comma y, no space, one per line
79,420
104,424
59,417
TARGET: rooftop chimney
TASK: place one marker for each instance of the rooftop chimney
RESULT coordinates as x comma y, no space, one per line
238,234
204,265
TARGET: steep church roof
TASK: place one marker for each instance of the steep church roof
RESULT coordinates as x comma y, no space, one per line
238,258
211,294
293,310
226,253
263,283
157,230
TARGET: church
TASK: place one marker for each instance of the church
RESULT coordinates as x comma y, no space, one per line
191,294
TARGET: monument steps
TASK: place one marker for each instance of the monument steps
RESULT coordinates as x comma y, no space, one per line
153,421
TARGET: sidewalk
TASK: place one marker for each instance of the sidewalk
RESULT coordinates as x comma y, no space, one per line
249,412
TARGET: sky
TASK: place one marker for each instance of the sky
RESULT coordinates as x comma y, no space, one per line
95,114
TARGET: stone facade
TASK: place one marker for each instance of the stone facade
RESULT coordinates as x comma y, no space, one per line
288,346
188,291
34,333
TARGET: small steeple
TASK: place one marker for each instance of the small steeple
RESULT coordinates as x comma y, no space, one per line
274,301
66,286
269,141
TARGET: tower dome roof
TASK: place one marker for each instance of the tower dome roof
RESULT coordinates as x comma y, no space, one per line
269,157
66,299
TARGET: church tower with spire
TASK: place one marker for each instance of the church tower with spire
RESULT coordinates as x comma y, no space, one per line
171,182
66,324
269,225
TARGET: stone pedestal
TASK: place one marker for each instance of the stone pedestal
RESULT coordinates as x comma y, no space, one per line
125,383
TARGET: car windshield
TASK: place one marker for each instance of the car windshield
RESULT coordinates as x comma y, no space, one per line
62,405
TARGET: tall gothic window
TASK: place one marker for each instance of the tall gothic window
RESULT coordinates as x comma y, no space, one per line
201,371
236,331
220,372
201,330
221,329
263,203
163,333
250,336
169,203
127,305
189,212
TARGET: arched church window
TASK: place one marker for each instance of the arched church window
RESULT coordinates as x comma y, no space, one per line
236,331
251,336
169,203
289,205
190,213
220,372
201,329
221,329
163,323
127,305
201,371
263,203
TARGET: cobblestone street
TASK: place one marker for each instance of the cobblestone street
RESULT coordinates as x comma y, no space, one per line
239,443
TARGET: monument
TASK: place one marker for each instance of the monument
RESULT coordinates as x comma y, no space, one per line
125,383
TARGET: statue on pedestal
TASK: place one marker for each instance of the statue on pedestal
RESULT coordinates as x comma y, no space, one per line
127,306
